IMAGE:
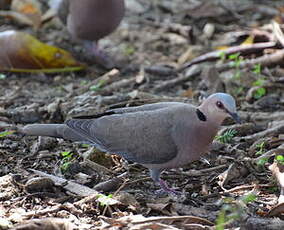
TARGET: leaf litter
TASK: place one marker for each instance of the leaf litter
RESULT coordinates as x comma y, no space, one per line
232,188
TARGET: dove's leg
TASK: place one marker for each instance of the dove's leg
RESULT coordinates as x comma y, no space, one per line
155,175
166,188
98,56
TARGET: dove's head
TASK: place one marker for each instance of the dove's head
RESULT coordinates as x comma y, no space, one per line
218,106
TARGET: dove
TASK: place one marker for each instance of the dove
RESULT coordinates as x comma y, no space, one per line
158,136
91,20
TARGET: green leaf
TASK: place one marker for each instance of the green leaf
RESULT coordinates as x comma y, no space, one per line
259,82
260,92
222,55
280,159
66,153
67,156
227,136
234,56
237,74
260,145
262,161
98,86
257,68
83,82
105,200
221,220
273,189
65,166
248,198
6,133
129,50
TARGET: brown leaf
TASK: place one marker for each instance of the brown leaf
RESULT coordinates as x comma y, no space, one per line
128,200
163,208
20,18
29,8
277,210
47,224
155,222
235,170
207,9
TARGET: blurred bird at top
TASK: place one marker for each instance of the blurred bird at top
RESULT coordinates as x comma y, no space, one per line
88,21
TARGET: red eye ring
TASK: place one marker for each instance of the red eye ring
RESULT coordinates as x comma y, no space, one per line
220,105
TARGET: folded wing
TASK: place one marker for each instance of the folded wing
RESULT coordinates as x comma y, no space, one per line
144,137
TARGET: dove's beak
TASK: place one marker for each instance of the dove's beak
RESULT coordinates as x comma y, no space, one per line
236,117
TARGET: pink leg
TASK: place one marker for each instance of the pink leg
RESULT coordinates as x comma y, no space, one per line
166,189
97,55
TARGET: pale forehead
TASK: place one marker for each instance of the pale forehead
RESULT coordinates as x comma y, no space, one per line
226,99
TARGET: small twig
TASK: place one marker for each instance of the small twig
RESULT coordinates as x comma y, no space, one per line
261,116
274,130
139,180
115,86
184,30
55,209
193,71
111,184
22,18
115,193
265,60
160,70
278,32
201,172
242,49
97,167
188,219
245,187
105,79
75,188
270,153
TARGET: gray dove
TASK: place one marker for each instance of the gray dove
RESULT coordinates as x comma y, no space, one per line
158,136
90,20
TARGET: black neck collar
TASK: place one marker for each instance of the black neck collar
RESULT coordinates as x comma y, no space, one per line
201,116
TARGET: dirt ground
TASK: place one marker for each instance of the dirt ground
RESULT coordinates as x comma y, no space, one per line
55,183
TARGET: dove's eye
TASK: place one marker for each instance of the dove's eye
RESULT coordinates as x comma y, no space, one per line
220,105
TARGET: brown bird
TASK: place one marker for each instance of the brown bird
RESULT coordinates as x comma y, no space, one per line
159,136
89,21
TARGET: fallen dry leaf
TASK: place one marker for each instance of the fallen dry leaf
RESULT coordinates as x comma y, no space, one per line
48,224
155,222
277,210
30,9
234,171
22,52
20,18
165,209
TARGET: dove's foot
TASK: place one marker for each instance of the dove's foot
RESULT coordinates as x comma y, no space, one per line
96,55
165,189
